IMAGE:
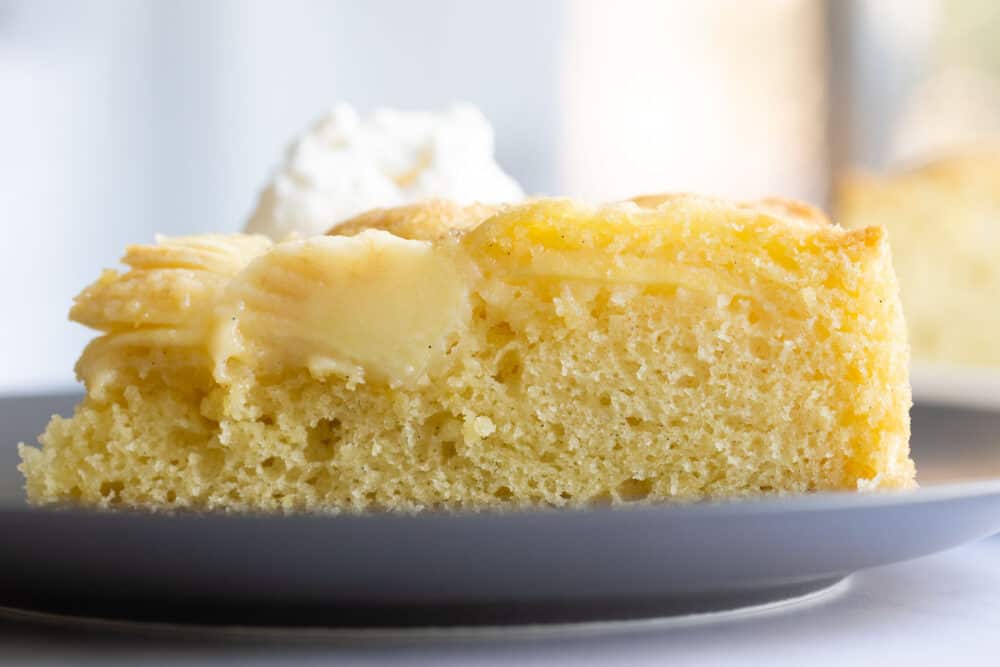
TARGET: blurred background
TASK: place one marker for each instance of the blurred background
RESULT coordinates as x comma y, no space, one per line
121,119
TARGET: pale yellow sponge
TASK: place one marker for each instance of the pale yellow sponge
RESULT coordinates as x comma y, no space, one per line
544,354
943,220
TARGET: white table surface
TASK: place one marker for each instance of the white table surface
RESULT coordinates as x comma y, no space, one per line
943,609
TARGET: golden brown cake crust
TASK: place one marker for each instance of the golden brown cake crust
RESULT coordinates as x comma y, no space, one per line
436,219
788,209
429,220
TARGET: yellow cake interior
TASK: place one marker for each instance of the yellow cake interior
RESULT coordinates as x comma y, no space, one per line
549,353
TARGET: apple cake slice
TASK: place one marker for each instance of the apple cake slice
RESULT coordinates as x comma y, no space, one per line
549,353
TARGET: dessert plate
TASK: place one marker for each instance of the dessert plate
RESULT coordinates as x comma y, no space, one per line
464,569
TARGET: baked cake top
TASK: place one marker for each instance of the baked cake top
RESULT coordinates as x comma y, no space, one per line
385,294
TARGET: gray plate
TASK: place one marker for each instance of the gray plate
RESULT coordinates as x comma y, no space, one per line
488,568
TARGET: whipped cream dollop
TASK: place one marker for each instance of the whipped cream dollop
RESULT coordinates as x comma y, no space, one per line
346,164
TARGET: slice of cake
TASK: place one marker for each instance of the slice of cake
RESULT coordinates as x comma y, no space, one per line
549,353
943,220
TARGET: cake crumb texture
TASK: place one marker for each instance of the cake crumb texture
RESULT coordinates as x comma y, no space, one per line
679,349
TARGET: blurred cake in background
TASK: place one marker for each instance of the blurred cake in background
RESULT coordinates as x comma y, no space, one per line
943,218
346,164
